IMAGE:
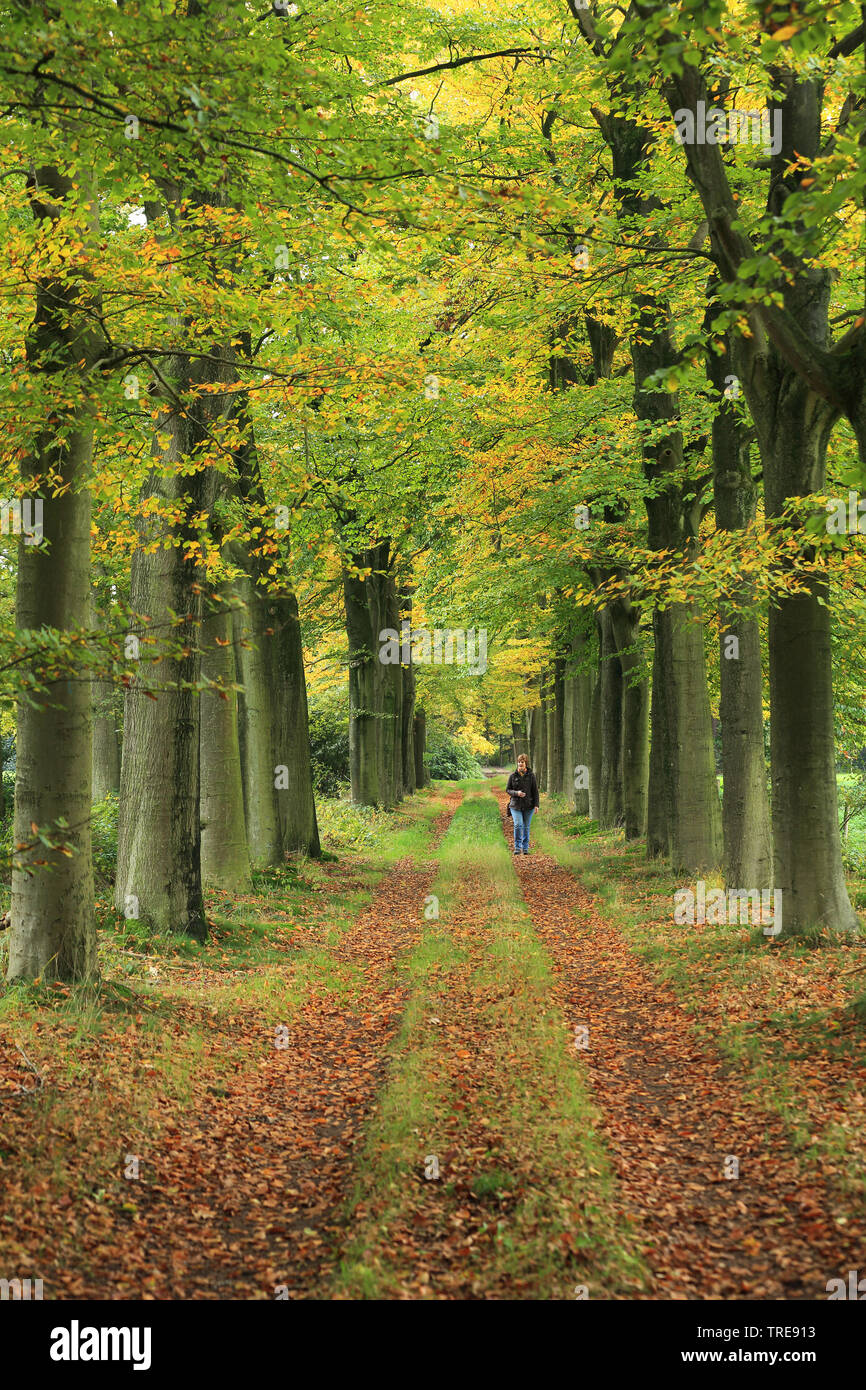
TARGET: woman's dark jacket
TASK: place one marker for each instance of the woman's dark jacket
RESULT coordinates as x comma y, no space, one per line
524,782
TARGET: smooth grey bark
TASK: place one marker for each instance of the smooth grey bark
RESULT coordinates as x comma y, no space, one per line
794,428
159,825
53,929
225,862
569,713
274,725
658,789
540,768
106,741
680,712
366,762
603,339
159,828
274,732
519,734
582,682
107,715
693,809
534,727
254,631
745,806
593,744
624,626
422,776
807,843
680,717
299,831
375,687
407,731
555,726
610,694
392,705
796,388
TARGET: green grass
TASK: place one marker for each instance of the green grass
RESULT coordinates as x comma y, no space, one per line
735,962
171,1039
560,1226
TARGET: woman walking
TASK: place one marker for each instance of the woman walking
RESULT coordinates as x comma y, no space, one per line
523,789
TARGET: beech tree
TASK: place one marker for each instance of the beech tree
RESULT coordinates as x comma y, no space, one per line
796,385
323,338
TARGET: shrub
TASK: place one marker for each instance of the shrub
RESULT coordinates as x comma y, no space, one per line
346,826
103,830
449,759
329,746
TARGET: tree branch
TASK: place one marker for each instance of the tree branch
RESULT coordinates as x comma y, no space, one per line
459,63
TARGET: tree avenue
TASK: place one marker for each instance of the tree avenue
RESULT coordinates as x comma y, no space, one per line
432,695
323,326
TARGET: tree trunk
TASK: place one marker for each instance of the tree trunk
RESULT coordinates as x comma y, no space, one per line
556,728
159,828
543,722
693,810
107,708
53,929
159,824
422,776
534,729
579,759
410,783
519,734
375,684
569,698
106,741
610,795
273,713
808,849
407,725
257,720
392,705
793,416
593,742
793,426
680,712
745,808
659,793
159,833
299,831
681,731
625,620
225,860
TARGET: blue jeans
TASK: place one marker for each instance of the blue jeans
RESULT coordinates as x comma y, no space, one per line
522,820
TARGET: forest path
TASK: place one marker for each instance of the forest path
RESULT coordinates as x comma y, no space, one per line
429,1126
481,1176
674,1117
276,1165
244,1178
